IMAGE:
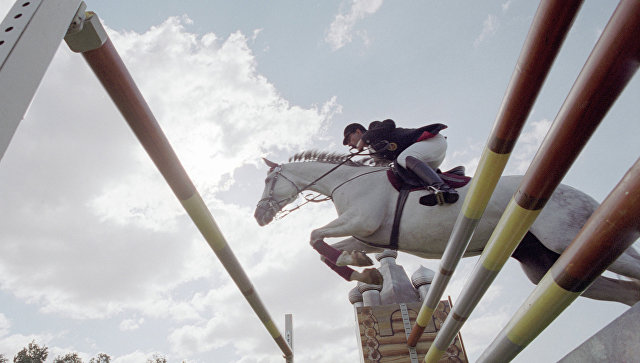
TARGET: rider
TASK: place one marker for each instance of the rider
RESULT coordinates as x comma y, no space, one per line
420,150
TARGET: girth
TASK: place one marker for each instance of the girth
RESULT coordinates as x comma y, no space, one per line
406,182
403,194
397,216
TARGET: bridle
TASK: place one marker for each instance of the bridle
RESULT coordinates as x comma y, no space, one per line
270,203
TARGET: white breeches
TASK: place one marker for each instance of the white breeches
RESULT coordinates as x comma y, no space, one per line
431,151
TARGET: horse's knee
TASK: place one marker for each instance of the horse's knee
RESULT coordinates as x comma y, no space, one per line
315,235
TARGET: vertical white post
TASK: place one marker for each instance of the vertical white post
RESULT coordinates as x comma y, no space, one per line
288,333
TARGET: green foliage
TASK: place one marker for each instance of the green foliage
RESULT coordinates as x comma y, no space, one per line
36,354
33,353
68,358
101,358
157,359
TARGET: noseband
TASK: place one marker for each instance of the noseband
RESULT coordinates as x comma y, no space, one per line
270,203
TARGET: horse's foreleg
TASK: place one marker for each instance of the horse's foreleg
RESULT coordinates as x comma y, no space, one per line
341,227
318,243
368,276
352,244
340,257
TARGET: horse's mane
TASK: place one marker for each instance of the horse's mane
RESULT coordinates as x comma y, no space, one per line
333,158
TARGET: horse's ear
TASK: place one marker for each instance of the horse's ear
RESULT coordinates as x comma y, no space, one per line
270,163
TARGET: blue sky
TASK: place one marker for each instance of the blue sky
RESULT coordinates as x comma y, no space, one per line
96,254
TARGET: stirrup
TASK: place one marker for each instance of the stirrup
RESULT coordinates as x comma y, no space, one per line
435,197
438,194
439,197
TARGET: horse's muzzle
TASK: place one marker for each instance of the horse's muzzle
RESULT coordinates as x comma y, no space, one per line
264,213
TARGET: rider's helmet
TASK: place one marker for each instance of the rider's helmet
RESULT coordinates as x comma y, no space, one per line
351,128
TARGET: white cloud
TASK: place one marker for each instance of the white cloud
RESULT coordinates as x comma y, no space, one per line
506,5
131,324
92,230
5,324
12,344
340,31
489,27
256,32
133,357
527,146
469,156
286,272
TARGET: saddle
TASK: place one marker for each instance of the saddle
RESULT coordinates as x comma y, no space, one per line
402,178
405,181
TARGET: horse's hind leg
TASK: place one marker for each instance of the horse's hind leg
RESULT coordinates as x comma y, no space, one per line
536,260
605,288
628,264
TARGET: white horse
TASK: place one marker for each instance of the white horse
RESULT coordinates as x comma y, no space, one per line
366,201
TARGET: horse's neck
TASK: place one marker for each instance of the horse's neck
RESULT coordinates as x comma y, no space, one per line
306,173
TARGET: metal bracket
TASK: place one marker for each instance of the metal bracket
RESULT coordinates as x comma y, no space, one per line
85,32
30,34
78,19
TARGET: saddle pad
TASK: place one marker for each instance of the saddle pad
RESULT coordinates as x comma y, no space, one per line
454,180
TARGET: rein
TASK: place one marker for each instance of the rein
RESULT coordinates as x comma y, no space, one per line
272,203
355,177
315,199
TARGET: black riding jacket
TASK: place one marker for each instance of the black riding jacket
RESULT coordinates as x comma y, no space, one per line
388,141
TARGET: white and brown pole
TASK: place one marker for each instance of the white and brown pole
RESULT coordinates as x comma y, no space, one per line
612,228
96,47
612,63
548,30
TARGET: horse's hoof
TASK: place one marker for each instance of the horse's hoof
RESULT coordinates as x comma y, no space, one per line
372,276
368,276
353,258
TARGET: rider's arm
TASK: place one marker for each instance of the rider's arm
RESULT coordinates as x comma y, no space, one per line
378,133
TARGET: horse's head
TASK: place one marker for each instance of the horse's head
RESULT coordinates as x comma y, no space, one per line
279,191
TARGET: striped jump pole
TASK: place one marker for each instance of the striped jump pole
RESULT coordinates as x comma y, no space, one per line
548,30
102,57
612,228
608,69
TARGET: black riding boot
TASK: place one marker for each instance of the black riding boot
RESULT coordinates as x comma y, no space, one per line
441,191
